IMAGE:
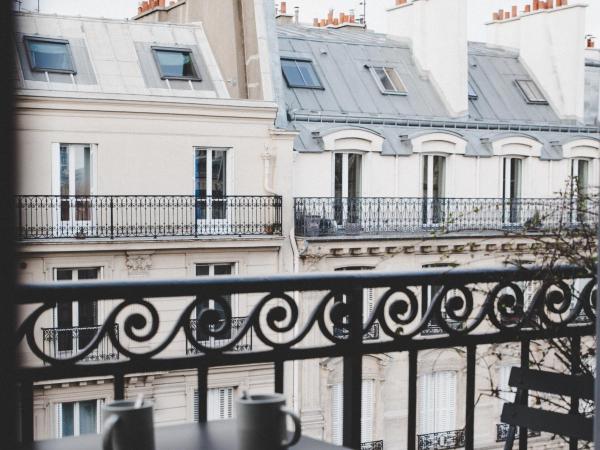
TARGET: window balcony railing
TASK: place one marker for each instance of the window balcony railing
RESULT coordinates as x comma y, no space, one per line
287,329
373,445
145,216
442,440
502,432
68,342
221,339
328,216
372,334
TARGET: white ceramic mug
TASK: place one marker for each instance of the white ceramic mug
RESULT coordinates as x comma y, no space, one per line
261,423
127,427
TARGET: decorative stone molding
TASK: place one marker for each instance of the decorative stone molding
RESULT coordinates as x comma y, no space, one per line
138,264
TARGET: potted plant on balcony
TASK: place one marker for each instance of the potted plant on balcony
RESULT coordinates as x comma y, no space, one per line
534,223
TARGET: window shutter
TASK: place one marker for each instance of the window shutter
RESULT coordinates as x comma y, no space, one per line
196,406
369,301
337,403
59,420
426,404
445,391
213,404
220,404
366,420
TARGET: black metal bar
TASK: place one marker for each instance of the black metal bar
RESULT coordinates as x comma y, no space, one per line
470,398
94,290
26,410
575,370
352,363
411,438
119,386
112,222
579,385
202,374
524,393
278,367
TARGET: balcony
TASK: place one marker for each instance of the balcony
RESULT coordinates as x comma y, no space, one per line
373,445
68,342
145,216
343,331
286,328
385,216
442,440
244,345
502,432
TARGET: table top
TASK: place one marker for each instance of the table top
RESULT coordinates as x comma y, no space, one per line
218,435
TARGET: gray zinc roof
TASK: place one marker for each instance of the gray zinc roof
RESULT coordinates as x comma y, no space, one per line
492,74
397,138
339,58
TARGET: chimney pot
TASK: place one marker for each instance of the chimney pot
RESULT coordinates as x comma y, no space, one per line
322,22
400,2
590,43
315,22
558,3
336,21
514,12
161,3
536,5
550,4
565,2
283,8
501,14
507,15
495,16
527,8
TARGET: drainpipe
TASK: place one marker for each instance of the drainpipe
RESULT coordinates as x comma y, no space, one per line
295,363
267,157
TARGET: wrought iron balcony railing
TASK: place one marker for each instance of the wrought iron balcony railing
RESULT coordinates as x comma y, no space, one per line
502,432
68,342
328,216
442,440
373,445
222,338
153,216
372,334
286,329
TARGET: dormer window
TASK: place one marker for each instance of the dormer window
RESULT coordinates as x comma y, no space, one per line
532,92
388,80
175,63
300,74
49,55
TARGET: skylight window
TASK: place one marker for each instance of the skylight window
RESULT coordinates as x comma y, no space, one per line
49,55
300,74
472,93
388,80
531,92
175,64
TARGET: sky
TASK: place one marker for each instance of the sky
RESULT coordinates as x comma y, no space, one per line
480,11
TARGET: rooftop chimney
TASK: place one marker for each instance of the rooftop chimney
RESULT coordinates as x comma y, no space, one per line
438,33
282,15
549,40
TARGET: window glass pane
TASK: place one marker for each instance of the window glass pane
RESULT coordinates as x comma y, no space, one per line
308,73
67,424
395,78
201,170
425,176
223,269
87,417
384,80
472,93
175,64
300,73
292,73
49,55
531,91
218,173
582,175
354,173
439,164
202,269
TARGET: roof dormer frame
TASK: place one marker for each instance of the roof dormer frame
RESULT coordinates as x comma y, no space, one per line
516,144
351,139
581,147
439,142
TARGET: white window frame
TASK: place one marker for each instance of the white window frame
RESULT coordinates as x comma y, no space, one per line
208,220
75,304
211,273
398,90
56,183
76,423
430,158
506,194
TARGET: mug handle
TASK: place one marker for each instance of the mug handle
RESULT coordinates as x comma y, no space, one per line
109,426
297,428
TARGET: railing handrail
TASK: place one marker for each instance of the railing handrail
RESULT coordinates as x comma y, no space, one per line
147,195
88,291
